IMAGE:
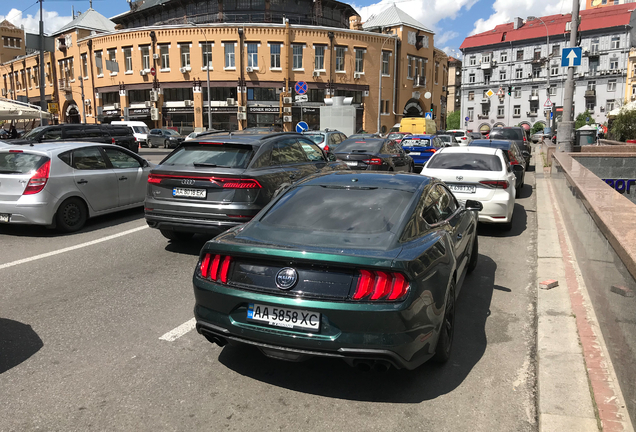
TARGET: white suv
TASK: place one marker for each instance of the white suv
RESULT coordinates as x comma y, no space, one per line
462,137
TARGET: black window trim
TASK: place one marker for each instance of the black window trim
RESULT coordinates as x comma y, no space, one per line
444,221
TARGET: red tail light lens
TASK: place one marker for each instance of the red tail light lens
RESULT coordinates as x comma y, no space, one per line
205,264
225,182
154,179
380,286
326,148
112,140
38,180
431,150
214,271
373,161
225,268
495,184
216,267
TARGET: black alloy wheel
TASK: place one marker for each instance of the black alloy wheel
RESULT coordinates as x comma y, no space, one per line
71,215
447,331
166,144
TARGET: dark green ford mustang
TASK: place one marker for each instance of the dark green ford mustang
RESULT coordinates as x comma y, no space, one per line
360,266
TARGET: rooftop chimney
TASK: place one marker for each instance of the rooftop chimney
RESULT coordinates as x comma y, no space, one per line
518,22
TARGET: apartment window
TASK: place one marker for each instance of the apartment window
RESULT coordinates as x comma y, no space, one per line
36,74
319,57
229,56
516,111
615,42
185,55
593,66
611,85
29,80
164,53
536,72
537,53
485,109
591,85
503,57
613,64
485,58
437,73
471,114
84,66
534,91
555,50
554,70
206,55
384,105
145,57
500,111
409,67
519,55
340,59
486,78
472,61
590,106
386,56
552,90
502,75
128,59
517,93
534,108
633,89
98,63
519,73
471,78
471,95
484,94
274,56
594,46
359,60
252,55
297,51
422,68
609,105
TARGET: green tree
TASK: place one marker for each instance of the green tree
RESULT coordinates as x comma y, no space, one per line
537,127
453,120
624,125
581,119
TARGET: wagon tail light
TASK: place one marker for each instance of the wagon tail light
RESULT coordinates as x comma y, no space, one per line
38,180
497,184
511,156
112,140
224,182
326,148
380,286
215,267
373,161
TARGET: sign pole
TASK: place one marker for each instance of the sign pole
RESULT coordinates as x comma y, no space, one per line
565,135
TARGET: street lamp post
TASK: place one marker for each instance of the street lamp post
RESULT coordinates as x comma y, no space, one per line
207,68
547,66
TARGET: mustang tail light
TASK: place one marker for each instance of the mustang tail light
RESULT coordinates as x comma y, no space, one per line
373,161
380,286
215,267
497,184
38,179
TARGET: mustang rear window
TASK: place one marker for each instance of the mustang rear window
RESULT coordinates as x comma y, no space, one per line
20,163
220,155
465,161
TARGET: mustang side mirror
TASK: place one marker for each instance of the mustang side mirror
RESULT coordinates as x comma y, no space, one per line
525,153
473,205
332,157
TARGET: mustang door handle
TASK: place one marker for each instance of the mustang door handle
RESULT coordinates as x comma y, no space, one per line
82,181
123,178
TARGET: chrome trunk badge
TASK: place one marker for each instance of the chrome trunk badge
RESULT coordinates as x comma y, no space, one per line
286,278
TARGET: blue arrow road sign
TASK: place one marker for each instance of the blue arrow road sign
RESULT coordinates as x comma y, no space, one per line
571,57
301,87
301,126
428,115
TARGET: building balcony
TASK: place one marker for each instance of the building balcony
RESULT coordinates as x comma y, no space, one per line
64,85
534,98
532,114
482,116
488,64
485,101
590,93
594,52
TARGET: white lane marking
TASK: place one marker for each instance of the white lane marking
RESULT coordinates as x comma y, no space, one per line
176,333
71,248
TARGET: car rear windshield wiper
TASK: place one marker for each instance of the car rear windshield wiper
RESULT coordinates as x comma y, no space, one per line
209,165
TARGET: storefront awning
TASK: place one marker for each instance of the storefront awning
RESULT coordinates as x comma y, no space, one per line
14,110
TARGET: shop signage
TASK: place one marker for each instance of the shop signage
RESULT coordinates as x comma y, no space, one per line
177,110
223,109
111,113
307,110
262,110
621,185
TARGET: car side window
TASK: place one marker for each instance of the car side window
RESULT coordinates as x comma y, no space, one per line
331,140
313,152
52,134
264,159
121,160
155,132
430,213
89,158
94,132
447,204
287,152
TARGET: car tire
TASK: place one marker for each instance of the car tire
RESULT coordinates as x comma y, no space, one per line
447,329
474,255
166,144
149,144
71,216
176,235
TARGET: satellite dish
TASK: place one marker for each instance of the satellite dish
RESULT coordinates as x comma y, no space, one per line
427,95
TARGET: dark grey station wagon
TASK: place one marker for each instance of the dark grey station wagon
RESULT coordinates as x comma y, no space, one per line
211,184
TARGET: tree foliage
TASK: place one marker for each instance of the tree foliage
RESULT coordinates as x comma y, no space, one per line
453,120
537,127
624,125
581,119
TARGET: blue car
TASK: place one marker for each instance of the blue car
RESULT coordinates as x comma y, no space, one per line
421,148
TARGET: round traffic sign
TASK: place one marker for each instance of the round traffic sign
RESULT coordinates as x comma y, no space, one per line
467,119
153,71
301,87
301,126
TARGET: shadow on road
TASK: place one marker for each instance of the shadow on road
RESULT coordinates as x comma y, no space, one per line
333,378
525,192
18,342
189,247
519,224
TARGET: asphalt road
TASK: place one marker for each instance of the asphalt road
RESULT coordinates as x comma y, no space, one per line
80,346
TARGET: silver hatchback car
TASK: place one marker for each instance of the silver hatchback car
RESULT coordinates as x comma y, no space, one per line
62,184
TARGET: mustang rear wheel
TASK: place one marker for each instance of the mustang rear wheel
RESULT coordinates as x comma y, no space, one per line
71,215
447,331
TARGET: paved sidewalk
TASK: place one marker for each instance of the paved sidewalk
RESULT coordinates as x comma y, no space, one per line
577,389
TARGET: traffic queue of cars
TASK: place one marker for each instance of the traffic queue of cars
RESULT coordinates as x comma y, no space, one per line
342,254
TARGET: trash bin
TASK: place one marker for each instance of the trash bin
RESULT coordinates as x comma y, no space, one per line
585,137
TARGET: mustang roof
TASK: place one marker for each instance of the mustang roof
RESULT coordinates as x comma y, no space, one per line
345,179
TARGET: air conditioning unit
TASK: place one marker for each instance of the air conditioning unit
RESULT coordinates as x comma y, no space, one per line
241,116
249,69
154,113
242,109
148,104
568,26
142,72
316,74
287,109
287,100
188,103
115,105
155,56
183,70
230,101
287,119
4,92
154,95
357,75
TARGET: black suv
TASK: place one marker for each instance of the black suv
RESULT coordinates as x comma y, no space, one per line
213,183
105,134
515,134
